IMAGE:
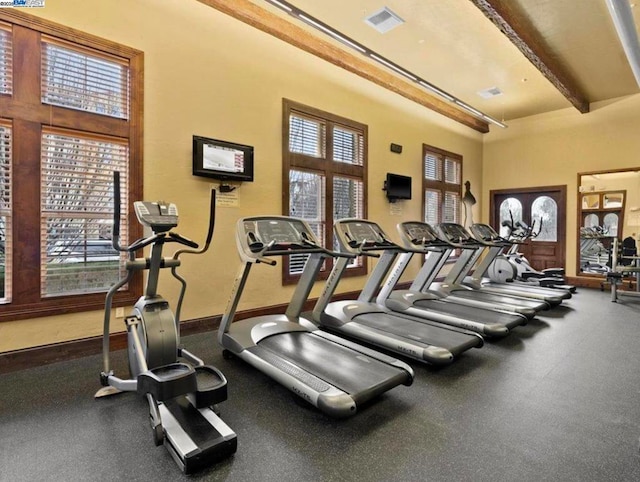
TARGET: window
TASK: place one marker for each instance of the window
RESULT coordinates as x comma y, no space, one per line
544,219
74,117
442,185
511,212
6,59
5,212
324,172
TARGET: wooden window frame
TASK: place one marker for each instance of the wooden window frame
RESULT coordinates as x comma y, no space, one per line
326,167
441,185
28,115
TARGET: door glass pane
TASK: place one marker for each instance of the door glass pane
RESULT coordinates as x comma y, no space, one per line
510,210
544,219
610,224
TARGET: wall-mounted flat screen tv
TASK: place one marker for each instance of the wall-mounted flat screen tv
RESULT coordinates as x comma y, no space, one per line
222,160
397,187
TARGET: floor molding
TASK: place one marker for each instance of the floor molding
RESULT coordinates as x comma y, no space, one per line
16,360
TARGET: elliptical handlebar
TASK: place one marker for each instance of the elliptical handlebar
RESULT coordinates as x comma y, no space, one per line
207,243
115,229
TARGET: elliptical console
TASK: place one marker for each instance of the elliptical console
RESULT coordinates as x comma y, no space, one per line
182,394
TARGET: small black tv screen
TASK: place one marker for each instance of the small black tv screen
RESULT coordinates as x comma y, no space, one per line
397,187
222,160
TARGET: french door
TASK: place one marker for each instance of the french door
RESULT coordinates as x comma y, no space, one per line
544,208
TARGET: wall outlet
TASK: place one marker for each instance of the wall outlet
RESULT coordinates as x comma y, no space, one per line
120,312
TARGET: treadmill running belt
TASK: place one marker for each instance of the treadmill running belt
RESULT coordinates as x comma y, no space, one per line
417,332
480,295
342,367
472,314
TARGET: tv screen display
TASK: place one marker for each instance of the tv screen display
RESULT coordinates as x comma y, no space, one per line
226,161
398,187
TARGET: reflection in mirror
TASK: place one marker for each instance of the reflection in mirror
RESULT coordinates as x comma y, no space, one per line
610,224
608,207
612,200
590,201
591,220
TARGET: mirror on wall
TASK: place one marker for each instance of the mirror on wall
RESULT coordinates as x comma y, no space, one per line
608,208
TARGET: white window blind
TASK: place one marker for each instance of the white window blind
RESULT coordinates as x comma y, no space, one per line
348,201
6,60
442,186
432,207
451,171
306,136
348,146
432,168
77,212
451,211
306,201
5,213
81,79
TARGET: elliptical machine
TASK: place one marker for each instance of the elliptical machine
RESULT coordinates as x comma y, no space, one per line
513,266
182,396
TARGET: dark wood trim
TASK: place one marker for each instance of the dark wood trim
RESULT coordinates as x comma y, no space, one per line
441,185
561,189
324,167
272,24
579,205
18,17
516,26
23,359
28,116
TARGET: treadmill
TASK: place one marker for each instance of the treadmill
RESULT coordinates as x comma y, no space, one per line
491,244
333,374
419,237
457,237
364,320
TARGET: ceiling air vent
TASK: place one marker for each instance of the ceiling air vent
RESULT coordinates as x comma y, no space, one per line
490,92
383,20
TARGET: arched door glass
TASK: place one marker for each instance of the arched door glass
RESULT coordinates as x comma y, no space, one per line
510,209
544,219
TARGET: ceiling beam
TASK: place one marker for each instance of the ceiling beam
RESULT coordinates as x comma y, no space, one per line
519,30
270,23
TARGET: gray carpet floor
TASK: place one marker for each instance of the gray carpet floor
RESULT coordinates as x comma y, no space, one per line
559,399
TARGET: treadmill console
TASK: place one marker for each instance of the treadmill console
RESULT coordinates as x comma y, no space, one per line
272,235
355,235
484,232
418,234
159,216
454,233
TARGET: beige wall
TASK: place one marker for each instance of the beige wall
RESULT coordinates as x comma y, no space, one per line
550,149
210,75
